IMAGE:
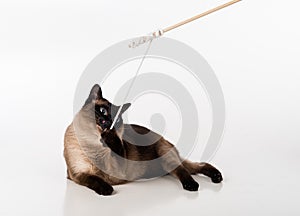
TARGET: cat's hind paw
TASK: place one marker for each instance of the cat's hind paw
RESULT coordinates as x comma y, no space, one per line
190,185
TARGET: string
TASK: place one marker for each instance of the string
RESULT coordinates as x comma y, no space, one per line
131,84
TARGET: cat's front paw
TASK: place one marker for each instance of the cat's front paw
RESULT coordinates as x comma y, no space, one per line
109,136
111,140
190,185
104,189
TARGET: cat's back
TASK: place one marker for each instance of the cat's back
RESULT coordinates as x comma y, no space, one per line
70,137
140,135
70,140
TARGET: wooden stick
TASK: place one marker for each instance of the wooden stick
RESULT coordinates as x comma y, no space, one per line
199,16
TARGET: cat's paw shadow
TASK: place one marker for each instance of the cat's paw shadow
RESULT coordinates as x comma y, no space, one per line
207,184
159,191
137,196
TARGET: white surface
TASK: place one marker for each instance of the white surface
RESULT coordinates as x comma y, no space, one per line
254,49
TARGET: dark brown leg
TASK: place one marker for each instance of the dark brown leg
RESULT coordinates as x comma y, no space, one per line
111,140
188,183
205,169
172,164
95,183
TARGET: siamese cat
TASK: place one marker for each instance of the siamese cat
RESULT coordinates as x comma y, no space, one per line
98,157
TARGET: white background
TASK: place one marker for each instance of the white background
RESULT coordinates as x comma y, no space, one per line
254,49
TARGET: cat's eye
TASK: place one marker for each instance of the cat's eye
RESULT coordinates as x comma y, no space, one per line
103,111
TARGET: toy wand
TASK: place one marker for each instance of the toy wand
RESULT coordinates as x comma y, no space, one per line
159,33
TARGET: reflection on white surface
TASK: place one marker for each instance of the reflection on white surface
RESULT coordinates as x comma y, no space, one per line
137,198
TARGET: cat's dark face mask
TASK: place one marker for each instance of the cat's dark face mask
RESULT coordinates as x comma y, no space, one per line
105,112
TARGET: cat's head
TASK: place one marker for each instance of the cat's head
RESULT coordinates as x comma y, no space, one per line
105,112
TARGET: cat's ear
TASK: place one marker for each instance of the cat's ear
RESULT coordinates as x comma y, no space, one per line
95,94
125,107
